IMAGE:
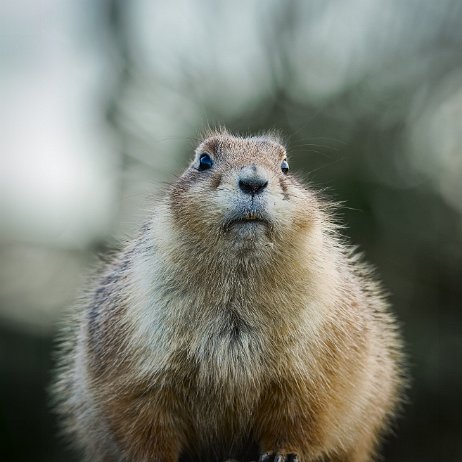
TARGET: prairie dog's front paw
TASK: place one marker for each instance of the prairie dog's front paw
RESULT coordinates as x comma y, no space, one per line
278,456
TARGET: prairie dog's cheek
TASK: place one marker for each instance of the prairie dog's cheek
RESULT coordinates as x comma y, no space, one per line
287,207
211,204
283,212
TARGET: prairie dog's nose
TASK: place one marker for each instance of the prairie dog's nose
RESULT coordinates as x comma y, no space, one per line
251,181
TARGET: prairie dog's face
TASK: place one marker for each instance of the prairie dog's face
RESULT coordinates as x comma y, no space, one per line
240,192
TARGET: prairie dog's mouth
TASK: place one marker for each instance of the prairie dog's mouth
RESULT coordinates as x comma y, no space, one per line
246,219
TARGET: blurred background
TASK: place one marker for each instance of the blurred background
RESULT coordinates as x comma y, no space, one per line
102,102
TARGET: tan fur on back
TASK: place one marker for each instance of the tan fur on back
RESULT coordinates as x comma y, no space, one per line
235,324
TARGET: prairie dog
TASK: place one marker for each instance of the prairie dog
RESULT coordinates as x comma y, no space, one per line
236,325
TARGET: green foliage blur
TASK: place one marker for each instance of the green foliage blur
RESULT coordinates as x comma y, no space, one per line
367,95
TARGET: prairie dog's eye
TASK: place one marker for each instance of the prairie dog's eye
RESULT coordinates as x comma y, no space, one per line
205,161
285,167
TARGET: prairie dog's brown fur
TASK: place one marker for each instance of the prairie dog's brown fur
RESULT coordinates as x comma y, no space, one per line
238,323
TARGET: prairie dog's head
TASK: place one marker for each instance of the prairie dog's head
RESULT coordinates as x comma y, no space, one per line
239,193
